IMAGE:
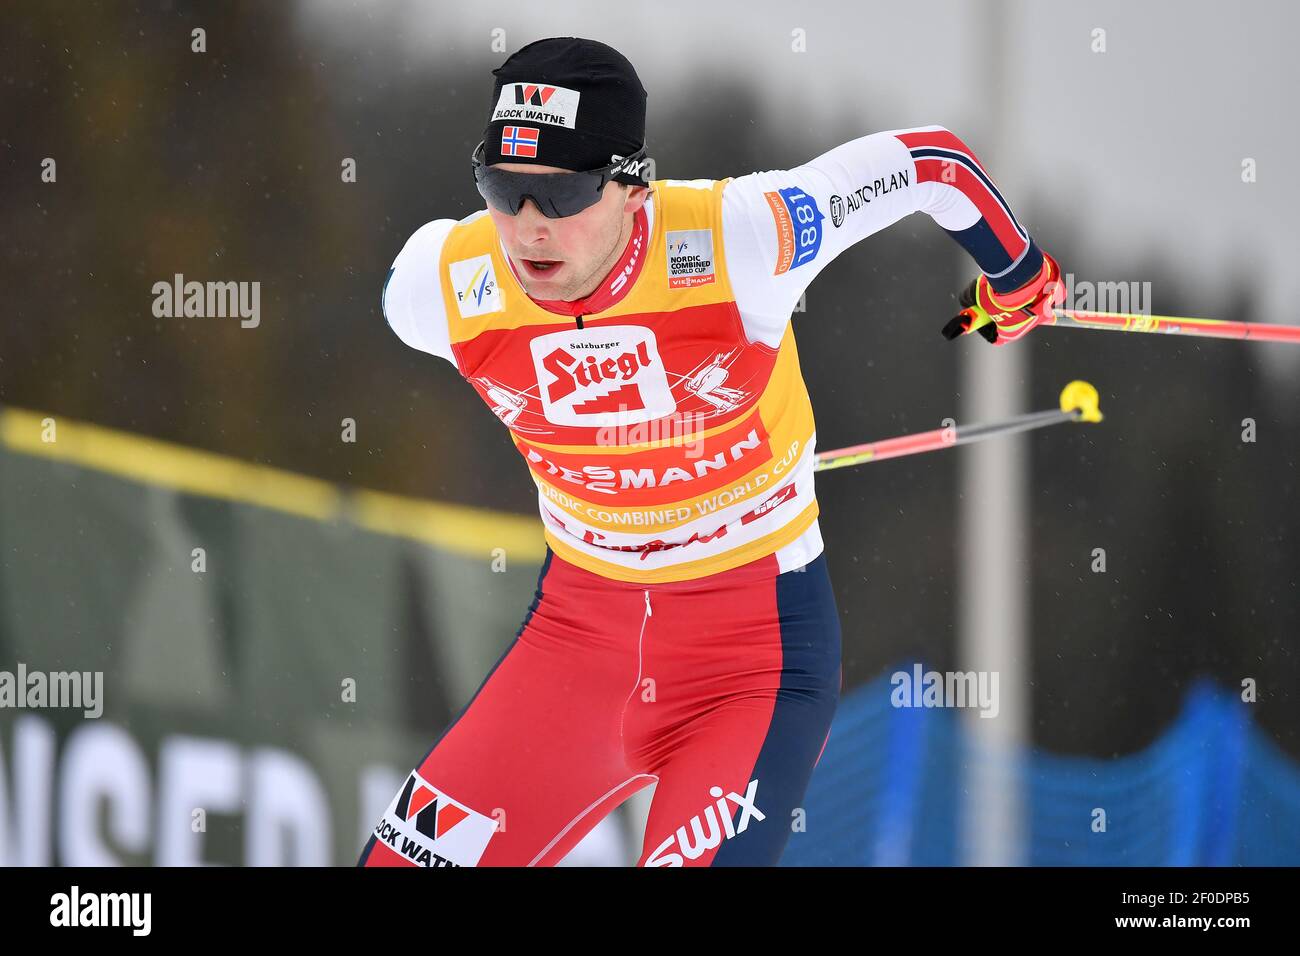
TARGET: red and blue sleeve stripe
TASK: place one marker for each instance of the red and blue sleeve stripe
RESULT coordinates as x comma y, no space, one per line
998,243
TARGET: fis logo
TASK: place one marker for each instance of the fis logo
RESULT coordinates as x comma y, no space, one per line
475,282
428,828
690,258
696,842
537,103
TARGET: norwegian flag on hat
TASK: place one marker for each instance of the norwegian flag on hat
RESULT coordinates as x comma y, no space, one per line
519,141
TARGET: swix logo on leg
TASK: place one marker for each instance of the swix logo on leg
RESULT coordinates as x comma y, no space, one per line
604,376
430,829
705,831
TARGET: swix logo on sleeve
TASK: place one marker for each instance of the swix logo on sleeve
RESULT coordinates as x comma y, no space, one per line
798,227
430,829
475,282
696,842
690,258
538,103
608,375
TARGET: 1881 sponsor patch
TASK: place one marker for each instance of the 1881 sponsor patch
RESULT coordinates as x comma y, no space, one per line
690,258
429,828
798,227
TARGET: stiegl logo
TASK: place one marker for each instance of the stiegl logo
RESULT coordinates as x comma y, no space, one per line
694,849
606,376
573,372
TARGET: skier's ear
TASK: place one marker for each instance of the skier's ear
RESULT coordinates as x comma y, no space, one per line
635,196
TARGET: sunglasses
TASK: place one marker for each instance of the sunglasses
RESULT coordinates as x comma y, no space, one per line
557,195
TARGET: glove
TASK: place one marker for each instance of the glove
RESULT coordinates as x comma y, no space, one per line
1005,317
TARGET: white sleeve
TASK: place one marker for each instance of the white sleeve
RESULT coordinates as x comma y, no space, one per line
781,227
412,297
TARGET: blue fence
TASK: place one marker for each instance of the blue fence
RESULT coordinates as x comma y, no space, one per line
1213,790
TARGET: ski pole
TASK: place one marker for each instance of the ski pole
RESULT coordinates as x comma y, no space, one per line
1078,404
1168,324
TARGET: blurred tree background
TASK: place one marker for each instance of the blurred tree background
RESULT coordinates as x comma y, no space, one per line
226,166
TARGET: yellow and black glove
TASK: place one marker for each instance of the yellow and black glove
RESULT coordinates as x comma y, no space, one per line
1005,317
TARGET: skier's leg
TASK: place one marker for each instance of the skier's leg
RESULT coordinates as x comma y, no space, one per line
762,678
535,759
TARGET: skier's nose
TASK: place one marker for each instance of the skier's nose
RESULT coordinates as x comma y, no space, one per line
530,224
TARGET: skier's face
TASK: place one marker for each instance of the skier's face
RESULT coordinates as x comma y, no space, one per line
582,248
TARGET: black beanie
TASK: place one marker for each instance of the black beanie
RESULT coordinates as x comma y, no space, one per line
567,102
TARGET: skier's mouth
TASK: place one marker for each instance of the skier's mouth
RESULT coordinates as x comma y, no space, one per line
539,268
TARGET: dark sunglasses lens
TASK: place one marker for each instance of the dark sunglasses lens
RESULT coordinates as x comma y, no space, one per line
498,195
557,195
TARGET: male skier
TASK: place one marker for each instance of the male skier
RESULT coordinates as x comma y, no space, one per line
635,339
